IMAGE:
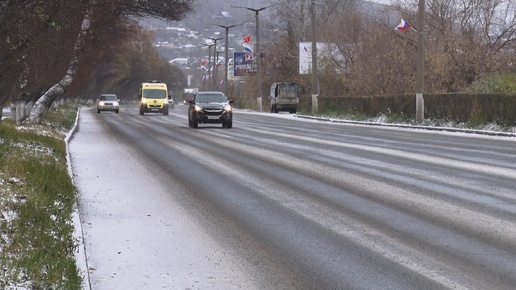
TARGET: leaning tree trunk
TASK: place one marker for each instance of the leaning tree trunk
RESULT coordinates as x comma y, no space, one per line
45,101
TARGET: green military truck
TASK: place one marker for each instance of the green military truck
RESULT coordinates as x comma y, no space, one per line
284,96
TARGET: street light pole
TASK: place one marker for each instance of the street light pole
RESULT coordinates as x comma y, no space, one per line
214,73
315,75
257,52
420,103
226,55
209,60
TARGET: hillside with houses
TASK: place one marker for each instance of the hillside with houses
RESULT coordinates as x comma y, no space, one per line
185,43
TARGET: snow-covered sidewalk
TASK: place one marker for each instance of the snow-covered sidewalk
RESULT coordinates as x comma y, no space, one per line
137,234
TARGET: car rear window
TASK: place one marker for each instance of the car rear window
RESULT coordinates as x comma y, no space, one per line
210,98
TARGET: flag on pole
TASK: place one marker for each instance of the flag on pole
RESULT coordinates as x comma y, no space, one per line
203,65
404,25
248,51
247,39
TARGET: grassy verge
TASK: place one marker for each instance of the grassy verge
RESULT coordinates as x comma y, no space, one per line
37,199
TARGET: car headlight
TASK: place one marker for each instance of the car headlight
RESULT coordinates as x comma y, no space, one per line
144,101
101,103
228,108
198,108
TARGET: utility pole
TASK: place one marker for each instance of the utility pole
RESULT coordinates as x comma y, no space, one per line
257,53
420,103
214,74
217,69
315,74
226,48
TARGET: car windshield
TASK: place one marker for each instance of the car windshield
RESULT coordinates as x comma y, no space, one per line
154,94
108,98
287,91
210,98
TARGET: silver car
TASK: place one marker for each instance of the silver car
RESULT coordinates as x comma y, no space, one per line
108,102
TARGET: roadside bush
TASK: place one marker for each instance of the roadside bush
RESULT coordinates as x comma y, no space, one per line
471,109
499,84
477,120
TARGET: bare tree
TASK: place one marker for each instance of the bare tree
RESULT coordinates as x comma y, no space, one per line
171,10
44,102
35,32
467,39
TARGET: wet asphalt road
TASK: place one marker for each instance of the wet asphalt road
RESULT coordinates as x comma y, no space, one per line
316,205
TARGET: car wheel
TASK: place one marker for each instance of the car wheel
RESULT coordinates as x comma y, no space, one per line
165,112
141,110
190,123
229,124
98,110
117,111
195,124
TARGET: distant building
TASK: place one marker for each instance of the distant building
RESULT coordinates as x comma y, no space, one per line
178,29
179,60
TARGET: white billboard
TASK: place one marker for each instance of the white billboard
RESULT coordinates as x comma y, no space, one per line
305,56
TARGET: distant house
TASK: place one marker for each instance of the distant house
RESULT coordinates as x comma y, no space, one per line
179,60
178,29
193,34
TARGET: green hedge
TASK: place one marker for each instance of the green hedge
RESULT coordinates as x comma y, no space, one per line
472,108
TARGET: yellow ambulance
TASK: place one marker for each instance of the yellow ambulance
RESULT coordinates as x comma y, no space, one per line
153,97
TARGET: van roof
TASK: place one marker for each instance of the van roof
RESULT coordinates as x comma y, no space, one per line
154,85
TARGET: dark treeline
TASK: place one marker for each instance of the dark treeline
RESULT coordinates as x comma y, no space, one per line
56,49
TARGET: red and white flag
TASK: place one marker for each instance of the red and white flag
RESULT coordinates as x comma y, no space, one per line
247,39
404,25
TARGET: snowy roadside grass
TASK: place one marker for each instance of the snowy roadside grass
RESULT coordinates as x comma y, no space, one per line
37,199
400,119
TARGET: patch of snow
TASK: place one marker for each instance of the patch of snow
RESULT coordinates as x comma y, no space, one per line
8,215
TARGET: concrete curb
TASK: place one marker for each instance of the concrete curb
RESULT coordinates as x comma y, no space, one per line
445,129
80,253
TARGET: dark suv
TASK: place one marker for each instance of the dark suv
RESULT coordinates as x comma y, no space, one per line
210,107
